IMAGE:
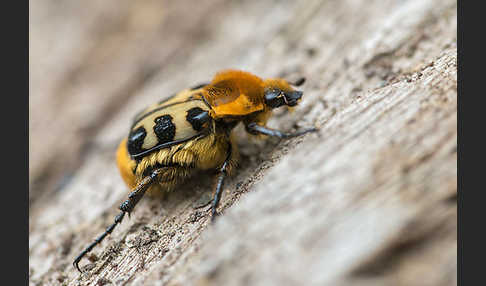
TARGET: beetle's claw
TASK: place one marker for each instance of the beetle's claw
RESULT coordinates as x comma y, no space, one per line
76,265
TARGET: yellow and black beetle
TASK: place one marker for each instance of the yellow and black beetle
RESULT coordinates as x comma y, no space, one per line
192,131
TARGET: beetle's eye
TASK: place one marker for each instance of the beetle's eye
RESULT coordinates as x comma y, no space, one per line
274,98
198,118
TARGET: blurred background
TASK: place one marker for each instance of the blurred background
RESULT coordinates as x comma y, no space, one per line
89,61
94,64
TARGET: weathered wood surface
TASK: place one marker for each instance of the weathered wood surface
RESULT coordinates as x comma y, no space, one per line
370,200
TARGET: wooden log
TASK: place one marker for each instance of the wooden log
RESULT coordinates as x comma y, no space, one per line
369,200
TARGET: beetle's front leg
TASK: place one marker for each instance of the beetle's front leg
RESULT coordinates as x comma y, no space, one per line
256,129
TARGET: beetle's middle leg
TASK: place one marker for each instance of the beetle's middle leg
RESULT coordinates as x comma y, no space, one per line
219,185
126,207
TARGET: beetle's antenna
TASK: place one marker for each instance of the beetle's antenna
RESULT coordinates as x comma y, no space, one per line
126,207
299,82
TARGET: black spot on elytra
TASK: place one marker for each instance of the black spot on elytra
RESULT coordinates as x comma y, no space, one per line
135,140
164,128
197,117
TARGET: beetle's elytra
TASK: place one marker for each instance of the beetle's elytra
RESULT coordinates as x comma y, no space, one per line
192,131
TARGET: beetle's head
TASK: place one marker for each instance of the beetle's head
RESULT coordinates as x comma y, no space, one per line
278,92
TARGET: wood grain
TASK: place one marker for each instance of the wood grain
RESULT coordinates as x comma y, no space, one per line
369,200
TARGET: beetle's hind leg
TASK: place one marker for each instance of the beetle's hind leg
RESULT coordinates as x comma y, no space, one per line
126,207
255,129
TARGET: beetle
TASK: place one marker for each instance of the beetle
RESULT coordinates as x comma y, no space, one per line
191,131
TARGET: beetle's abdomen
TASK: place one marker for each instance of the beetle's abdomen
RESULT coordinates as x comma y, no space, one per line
176,167
178,161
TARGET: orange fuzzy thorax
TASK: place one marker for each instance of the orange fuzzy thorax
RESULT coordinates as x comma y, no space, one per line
235,93
239,93
277,83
